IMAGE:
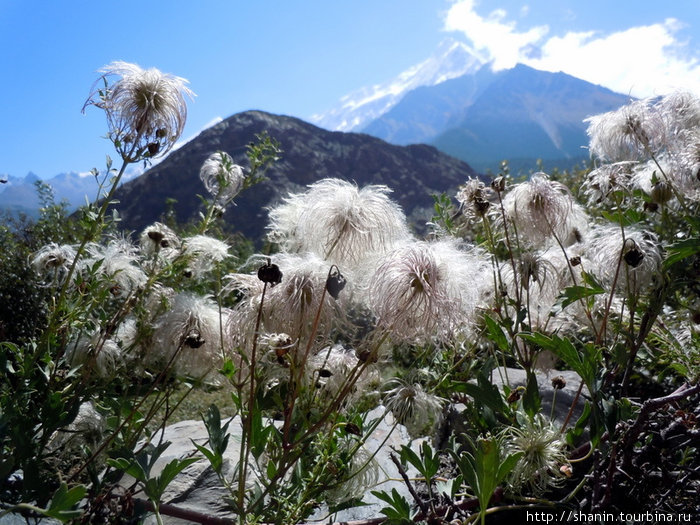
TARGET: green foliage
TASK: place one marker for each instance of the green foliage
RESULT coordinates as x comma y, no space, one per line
398,512
484,468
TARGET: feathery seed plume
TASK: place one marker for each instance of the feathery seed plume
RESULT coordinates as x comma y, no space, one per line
146,109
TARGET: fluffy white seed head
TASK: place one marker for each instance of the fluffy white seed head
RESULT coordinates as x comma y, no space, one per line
543,455
188,337
426,290
87,428
222,178
625,134
413,407
96,353
118,263
290,306
540,209
146,109
339,222
474,198
330,368
636,252
203,253
607,179
160,242
680,110
53,261
363,475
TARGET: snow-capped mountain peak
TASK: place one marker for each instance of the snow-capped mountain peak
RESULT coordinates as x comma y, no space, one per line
451,59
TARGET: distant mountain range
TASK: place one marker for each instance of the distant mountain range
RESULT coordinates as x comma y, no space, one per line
451,59
309,153
518,113
452,101
19,194
455,102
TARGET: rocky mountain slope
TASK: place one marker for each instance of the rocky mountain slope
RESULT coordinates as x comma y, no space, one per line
309,154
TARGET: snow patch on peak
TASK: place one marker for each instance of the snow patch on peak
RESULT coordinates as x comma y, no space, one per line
451,59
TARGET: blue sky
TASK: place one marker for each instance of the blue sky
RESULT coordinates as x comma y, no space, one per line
299,58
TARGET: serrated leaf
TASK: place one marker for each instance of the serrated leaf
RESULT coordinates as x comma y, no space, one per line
215,460
531,399
347,504
681,250
170,471
496,334
63,501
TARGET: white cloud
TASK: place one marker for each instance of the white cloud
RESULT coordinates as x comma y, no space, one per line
640,61
492,34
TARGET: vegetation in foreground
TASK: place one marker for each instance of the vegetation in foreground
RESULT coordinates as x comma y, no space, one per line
104,337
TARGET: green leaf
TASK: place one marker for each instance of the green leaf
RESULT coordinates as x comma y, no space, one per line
168,474
531,399
681,250
626,217
347,504
496,334
484,393
571,294
408,455
215,460
63,501
398,511
130,467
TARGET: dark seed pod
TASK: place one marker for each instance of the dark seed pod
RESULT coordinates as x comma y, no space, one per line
481,206
153,148
577,235
651,207
155,236
499,184
634,257
270,273
352,428
558,382
514,396
335,283
194,339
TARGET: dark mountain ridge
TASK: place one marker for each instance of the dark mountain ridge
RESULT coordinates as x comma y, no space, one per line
309,154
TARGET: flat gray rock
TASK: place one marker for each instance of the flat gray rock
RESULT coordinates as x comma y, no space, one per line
198,488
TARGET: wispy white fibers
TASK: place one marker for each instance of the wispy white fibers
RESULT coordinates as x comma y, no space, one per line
413,407
203,253
53,261
96,352
661,135
118,262
626,133
474,198
339,222
427,290
637,254
188,337
146,109
543,211
222,178
536,281
159,243
289,307
329,370
607,179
